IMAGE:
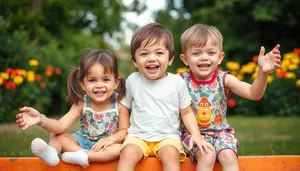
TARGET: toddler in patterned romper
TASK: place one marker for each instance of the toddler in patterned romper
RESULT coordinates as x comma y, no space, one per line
210,88
103,122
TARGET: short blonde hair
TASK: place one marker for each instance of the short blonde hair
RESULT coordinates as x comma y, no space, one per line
198,35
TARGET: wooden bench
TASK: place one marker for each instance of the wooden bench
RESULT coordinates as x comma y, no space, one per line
246,163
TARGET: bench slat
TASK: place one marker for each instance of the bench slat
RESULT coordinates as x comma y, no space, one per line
246,163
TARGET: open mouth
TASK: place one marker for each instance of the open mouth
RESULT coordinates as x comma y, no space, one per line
99,93
152,67
204,66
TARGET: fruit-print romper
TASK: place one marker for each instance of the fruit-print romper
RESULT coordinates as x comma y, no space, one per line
209,103
96,125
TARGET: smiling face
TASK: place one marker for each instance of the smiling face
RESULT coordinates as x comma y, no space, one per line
98,84
203,61
152,60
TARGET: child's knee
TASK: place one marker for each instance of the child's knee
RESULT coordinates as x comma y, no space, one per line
131,151
227,156
207,159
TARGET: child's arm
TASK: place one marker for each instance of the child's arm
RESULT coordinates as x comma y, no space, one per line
189,121
31,116
118,137
266,63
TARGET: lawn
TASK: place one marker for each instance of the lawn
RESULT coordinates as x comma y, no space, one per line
257,136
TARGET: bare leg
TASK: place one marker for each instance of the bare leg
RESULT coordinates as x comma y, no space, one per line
64,142
228,160
131,154
170,157
111,153
205,162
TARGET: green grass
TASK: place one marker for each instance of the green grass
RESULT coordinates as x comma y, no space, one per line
257,136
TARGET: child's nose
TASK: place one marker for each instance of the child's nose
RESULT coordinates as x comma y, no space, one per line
152,57
203,57
99,84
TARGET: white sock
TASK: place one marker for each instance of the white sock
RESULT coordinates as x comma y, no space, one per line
78,157
45,152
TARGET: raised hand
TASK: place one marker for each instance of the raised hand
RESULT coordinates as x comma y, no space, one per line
271,60
28,117
204,146
102,143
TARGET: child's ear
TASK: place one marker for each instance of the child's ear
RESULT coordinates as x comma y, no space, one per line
221,57
117,82
171,61
133,61
183,59
81,85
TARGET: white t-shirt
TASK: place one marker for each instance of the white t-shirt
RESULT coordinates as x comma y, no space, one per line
155,106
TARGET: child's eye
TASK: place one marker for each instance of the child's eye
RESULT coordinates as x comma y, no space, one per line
144,54
211,53
106,79
196,54
91,80
160,53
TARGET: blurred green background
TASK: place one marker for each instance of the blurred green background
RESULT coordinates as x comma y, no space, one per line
41,40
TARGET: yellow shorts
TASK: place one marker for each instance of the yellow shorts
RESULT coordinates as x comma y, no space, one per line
151,148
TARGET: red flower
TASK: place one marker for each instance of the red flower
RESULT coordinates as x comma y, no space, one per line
16,72
281,74
10,85
49,71
58,71
9,71
43,85
231,103
297,50
255,58
38,77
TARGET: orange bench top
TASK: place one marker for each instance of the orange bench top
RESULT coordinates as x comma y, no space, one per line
246,163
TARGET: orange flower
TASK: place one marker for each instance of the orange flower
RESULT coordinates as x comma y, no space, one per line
49,71
38,77
297,50
9,71
58,71
281,74
255,58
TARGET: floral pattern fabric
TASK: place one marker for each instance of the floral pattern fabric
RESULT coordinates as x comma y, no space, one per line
96,125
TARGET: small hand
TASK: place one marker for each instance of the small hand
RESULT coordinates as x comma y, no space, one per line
203,145
102,143
28,117
270,61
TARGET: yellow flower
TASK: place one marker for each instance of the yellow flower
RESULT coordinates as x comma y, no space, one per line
254,75
270,79
295,60
285,64
240,77
298,83
183,69
290,75
23,72
33,62
233,65
293,67
4,75
290,55
1,81
233,73
18,80
30,76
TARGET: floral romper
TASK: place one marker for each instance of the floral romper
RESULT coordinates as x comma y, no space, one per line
96,125
209,103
